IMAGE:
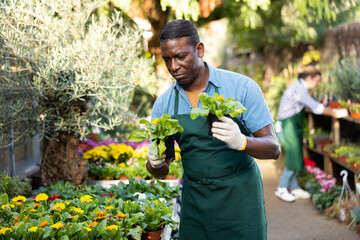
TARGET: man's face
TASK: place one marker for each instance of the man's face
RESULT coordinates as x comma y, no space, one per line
182,60
314,81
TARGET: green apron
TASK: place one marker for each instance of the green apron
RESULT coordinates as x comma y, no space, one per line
222,195
293,137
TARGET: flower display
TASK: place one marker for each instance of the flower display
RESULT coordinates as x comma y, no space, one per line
113,216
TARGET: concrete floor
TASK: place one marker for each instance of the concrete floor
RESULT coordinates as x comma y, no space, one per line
298,220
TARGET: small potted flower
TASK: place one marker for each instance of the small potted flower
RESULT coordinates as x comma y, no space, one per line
355,110
215,107
159,131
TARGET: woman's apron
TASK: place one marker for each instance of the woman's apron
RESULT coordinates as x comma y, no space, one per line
222,195
293,137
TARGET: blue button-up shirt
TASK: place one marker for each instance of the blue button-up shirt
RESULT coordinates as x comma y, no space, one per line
230,84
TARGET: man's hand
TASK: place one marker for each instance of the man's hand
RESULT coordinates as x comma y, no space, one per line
155,162
229,132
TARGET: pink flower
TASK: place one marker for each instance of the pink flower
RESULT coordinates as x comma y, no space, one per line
322,190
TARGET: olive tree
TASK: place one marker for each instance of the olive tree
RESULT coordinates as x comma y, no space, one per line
63,70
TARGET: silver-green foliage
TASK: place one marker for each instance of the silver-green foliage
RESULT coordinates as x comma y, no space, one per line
59,61
346,79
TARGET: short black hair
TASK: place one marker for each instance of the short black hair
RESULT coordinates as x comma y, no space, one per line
180,28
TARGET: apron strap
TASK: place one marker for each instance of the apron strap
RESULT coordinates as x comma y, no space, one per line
176,107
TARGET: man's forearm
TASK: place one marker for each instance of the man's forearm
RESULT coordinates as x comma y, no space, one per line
265,147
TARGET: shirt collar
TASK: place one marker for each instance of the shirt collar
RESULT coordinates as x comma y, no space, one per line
212,79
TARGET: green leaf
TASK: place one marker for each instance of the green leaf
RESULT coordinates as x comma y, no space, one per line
219,113
195,112
137,136
145,122
64,237
4,199
204,112
161,148
153,148
47,232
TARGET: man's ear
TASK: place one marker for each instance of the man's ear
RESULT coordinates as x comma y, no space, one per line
201,50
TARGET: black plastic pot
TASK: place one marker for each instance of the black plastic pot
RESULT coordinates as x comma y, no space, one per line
170,148
211,119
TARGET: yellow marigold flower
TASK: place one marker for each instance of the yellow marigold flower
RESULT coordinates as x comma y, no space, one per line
122,165
109,207
41,197
59,205
111,227
57,225
7,205
78,210
4,230
93,224
19,204
32,210
86,198
33,229
155,121
67,202
44,223
19,198
221,97
156,202
88,229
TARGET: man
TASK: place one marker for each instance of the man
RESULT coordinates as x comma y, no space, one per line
222,195
290,113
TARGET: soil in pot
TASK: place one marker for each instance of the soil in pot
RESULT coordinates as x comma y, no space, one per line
170,148
211,119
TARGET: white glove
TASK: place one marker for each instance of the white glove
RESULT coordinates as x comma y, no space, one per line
229,132
155,162
340,112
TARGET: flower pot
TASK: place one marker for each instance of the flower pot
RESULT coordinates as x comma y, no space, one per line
153,235
123,178
354,115
170,148
334,104
210,120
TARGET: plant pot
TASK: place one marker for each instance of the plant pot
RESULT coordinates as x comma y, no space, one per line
354,115
334,104
123,178
170,148
358,228
210,120
153,235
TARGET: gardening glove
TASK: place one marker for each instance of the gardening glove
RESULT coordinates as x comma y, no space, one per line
229,132
155,162
340,113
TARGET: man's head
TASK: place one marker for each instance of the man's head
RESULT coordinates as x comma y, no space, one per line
182,52
311,76
180,28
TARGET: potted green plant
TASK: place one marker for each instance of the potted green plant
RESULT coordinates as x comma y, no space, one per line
355,110
215,107
159,131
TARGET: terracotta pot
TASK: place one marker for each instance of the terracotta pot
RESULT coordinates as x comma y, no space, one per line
154,235
354,115
334,104
123,178
172,177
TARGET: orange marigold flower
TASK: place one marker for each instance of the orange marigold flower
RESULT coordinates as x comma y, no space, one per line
99,217
44,223
37,204
16,223
93,224
103,213
72,217
16,218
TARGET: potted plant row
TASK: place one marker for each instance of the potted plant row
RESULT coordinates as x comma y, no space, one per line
85,212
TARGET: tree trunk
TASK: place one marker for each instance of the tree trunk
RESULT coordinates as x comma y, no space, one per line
61,161
276,57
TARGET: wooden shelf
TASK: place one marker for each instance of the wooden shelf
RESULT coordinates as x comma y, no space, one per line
345,165
314,150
